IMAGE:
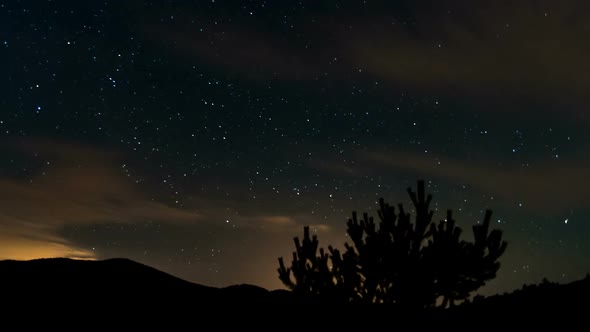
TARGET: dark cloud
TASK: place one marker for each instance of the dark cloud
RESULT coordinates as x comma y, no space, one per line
82,185
529,50
255,54
526,49
548,186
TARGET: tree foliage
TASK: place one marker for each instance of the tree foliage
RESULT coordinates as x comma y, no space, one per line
410,262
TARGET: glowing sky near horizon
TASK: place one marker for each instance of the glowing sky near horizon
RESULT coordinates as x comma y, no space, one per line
200,137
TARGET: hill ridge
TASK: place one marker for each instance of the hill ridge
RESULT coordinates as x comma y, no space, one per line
124,283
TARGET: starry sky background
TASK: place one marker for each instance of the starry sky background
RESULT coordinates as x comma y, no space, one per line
199,137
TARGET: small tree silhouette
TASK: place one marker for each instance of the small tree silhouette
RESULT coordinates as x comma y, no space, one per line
412,264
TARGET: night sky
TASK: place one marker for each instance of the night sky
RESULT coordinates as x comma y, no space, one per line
199,137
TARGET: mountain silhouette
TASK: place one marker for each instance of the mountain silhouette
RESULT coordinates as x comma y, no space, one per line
117,278
122,290
547,301
118,290
78,279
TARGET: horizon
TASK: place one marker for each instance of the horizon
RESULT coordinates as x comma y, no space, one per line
523,286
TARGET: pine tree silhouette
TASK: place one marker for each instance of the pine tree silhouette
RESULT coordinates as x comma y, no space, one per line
409,263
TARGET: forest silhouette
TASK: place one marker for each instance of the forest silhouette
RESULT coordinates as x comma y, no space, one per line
410,262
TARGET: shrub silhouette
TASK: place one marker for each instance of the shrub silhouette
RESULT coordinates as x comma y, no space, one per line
414,264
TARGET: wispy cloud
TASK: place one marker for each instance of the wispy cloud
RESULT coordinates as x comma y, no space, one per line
269,223
529,49
83,185
549,187
333,167
238,48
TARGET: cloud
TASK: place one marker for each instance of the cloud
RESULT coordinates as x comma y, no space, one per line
21,248
279,223
82,185
277,220
548,187
530,50
333,167
526,49
238,48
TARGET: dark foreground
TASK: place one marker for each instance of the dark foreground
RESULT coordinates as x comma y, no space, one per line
120,291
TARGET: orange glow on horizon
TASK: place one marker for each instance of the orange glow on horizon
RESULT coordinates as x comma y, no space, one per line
27,249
